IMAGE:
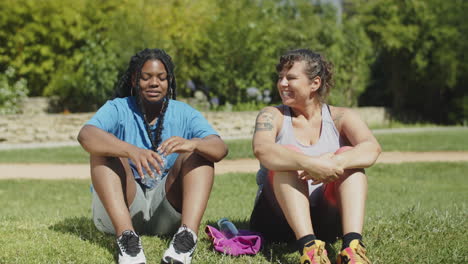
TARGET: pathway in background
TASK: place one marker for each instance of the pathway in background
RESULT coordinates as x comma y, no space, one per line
81,171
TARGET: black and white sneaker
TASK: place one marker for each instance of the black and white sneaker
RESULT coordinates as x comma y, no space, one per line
130,249
182,246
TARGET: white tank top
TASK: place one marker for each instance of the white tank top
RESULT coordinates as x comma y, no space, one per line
329,141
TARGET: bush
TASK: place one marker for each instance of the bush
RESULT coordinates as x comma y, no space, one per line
12,91
86,80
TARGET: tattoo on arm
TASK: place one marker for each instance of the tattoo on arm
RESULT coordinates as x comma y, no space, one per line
264,121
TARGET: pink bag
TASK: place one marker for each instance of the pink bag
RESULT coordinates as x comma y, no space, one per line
245,243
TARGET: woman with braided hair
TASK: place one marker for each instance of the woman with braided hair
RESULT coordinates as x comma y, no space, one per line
152,161
312,186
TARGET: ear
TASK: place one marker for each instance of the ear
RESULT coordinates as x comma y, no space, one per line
315,83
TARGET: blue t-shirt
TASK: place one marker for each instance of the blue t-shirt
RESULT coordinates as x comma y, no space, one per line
122,118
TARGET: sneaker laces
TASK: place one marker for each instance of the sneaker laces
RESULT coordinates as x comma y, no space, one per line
360,255
129,243
183,241
321,251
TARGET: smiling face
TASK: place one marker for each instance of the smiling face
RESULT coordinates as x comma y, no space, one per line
294,86
153,81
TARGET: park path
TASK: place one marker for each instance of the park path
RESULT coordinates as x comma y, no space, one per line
81,171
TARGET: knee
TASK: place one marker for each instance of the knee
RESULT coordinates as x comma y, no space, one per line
191,162
359,173
194,159
283,177
354,176
102,165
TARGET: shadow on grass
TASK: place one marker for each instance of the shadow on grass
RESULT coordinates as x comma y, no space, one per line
84,228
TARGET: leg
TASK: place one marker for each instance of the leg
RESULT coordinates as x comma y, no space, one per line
352,194
188,187
292,196
114,183
272,224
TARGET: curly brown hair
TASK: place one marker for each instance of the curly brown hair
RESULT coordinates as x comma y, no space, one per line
316,65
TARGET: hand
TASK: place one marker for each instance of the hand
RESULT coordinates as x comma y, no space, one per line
322,169
144,158
177,145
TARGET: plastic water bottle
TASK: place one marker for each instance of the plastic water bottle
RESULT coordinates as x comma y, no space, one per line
227,228
150,182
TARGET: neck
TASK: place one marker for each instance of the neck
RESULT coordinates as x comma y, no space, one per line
153,111
309,111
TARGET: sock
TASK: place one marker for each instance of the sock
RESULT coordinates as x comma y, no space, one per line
350,237
305,240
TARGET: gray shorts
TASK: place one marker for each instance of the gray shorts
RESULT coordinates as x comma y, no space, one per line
151,212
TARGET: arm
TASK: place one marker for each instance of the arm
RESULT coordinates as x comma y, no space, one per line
101,143
279,158
211,147
365,150
271,155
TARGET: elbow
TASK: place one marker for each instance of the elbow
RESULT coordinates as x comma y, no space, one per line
82,137
377,151
259,152
224,151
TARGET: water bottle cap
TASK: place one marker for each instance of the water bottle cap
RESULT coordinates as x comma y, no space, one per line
224,219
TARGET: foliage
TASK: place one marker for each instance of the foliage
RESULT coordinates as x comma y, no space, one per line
59,46
222,47
351,54
421,51
84,83
37,35
407,55
12,91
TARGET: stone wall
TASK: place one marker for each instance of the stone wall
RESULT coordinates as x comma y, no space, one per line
36,126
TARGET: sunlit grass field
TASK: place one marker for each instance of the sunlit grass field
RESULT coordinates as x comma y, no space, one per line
450,140
416,213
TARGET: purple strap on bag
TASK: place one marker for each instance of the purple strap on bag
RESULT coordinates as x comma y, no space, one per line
245,243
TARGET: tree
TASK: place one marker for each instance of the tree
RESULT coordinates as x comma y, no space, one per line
419,53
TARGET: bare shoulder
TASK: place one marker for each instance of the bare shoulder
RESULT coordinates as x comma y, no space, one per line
269,111
341,115
267,119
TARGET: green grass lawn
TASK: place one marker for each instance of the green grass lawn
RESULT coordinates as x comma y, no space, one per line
416,213
451,140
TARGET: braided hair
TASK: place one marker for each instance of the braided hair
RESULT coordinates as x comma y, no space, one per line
129,84
316,65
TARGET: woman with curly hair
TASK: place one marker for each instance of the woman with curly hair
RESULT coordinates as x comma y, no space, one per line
312,186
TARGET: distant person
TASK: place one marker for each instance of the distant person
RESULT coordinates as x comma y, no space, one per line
143,127
307,192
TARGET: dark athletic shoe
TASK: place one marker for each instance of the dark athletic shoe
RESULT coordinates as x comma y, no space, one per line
182,246
130,249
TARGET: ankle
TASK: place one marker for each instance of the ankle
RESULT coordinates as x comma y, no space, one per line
184,227
120,232
350,237
304,241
